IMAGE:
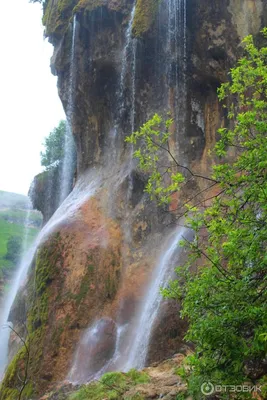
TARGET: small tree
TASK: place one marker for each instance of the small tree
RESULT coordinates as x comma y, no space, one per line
14,247
54,146
225,300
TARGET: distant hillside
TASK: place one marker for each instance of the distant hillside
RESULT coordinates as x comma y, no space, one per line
16,217
14,201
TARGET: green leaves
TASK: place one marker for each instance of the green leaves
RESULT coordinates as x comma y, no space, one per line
225,300
54,146
152,141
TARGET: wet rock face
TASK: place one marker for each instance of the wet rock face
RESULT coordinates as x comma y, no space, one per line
214,32
101,266
45,192
95,349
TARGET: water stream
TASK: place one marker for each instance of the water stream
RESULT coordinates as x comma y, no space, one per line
84,189
128,68
133,340
176,66
126,54
143,323
136,358
19,277
69,145
136,333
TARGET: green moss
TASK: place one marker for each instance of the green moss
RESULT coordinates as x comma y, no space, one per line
7,389
112,386
39,293
28,391
87,280
145,13
8,394
57,17
138,377
89,5
12,394
111,286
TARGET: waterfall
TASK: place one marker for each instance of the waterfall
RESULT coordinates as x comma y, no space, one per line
176,38
127,79
136,333
19,277
151,304
85,368
127,49
133,84
84,189
128,63
69,146
177,62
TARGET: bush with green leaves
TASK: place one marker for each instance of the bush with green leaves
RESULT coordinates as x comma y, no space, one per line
225,299
14,248
112,386
54,146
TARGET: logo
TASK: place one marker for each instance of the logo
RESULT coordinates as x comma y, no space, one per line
207,388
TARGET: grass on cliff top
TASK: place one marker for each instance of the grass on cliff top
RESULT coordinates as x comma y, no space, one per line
112,386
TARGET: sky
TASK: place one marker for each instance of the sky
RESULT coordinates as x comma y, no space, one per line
29,104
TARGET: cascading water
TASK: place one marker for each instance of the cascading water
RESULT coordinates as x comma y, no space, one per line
127,78
133,84
90,362
69,145
83,190
151,304
20,276
177,63
129,62
132,340
126,55
176,42
128,65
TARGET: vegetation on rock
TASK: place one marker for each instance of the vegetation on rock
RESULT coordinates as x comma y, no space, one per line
225,299
38,292
145,13
56,17
112,386
45,193
53,152
14,247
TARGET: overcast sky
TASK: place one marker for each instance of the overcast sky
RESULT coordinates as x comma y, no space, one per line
29,103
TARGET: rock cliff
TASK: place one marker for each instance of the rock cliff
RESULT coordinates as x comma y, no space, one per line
97,263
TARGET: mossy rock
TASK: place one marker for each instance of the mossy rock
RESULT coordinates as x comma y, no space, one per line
39,293
89,5
145,13
8,388
112,386
57,15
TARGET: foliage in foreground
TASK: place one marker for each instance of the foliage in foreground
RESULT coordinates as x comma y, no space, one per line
112,386
225,300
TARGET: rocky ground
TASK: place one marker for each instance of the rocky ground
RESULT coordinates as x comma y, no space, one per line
159,381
